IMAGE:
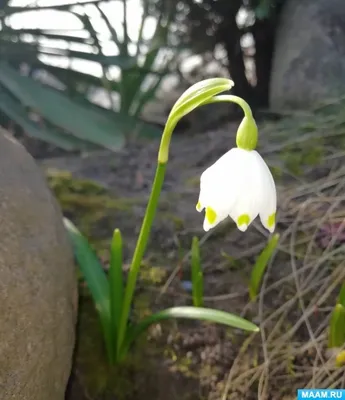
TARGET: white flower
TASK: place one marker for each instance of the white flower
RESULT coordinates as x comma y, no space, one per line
239,185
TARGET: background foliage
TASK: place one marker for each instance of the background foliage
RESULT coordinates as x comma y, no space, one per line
53,101
43,95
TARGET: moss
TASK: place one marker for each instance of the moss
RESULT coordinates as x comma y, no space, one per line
152,275
83,195
183,365
86,202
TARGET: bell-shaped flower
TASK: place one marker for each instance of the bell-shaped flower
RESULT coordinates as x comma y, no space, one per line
239,185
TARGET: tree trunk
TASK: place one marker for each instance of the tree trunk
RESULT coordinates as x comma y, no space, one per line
264,33
230,36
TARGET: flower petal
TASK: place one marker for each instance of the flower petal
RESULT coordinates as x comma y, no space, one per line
249,191
269,205
212,218
217,192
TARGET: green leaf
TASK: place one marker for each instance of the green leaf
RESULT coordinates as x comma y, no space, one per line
198,313
144,97
341,297
134,83
197,275
260,266
72,78
116,284
119,61
95,278
83,122
337,327
17,113
264,9
87,122
197,94
8,34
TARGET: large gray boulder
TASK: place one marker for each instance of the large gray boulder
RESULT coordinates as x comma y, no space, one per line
38,292
309,59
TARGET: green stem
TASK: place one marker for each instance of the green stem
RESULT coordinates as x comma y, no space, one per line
232,99
247,132
163,154
139,252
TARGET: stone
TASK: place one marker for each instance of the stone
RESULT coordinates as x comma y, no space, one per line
38,285
308,65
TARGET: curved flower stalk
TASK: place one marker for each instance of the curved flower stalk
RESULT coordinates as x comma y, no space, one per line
240,184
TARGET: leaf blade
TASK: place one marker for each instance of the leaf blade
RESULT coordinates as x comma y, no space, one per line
116,285
95,278
197,313
341,297
16,112
81,121
337,327
197,275
260,266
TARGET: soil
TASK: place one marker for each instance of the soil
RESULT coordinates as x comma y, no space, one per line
192,360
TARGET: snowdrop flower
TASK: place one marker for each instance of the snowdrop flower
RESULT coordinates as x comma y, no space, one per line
239,185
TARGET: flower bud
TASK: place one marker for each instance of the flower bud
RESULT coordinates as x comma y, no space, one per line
247,134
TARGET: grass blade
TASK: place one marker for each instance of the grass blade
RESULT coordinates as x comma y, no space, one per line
116,284
260,266
197,275
341,297
95,278
198,313
337,327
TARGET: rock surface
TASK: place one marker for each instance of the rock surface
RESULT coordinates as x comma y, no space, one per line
309,60
38,291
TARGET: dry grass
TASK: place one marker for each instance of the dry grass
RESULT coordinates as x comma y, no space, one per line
302,281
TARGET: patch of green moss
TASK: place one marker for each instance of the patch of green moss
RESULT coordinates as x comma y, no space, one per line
85,201
183,365
152,275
